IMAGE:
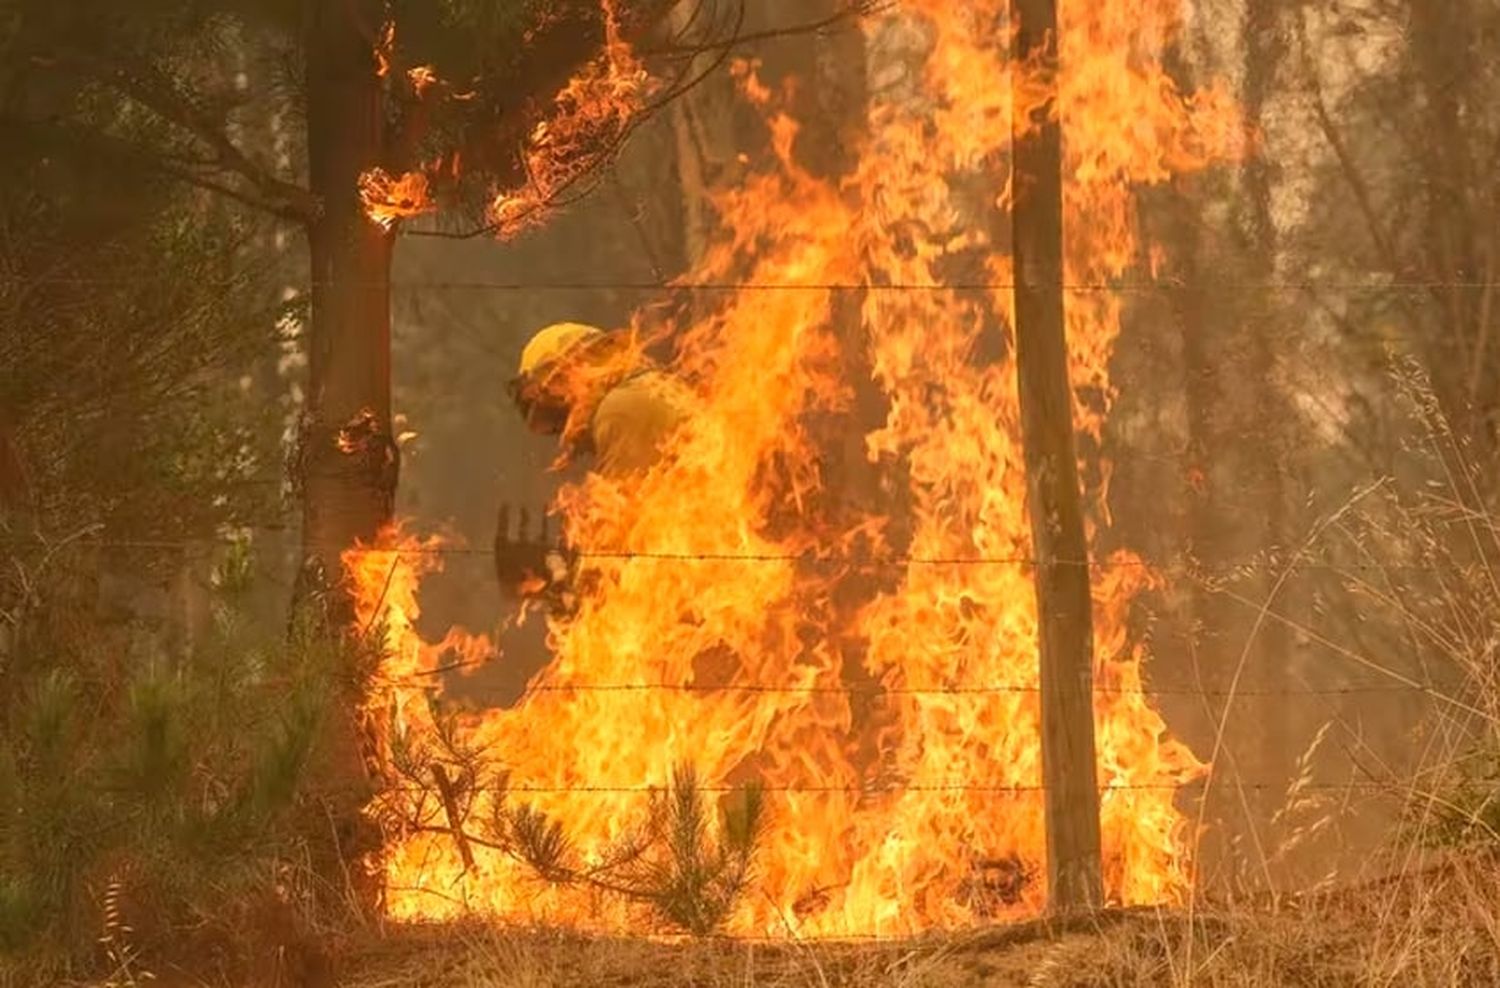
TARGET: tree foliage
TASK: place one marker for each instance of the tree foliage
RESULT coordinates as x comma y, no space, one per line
135,314
187,782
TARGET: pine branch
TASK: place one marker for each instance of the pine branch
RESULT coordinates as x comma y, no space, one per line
688,872
148,86
850,13
721,48
455,820
192,171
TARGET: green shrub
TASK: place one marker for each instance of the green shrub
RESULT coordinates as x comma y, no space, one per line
182,782
689,872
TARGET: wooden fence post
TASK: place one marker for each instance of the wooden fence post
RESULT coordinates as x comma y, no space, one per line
1069,768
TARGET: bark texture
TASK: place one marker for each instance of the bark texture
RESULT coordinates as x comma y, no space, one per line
350,465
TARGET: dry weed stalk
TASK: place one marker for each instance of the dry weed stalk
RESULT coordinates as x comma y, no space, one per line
1305,812
121,955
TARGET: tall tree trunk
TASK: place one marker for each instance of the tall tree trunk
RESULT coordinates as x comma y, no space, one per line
1235,509
1069,765
1262,444
349,461
689,152
1464,361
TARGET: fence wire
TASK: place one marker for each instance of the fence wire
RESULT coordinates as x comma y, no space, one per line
1401,685
717,287
851,691
897,789
866,561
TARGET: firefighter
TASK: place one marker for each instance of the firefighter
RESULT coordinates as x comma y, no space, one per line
608,403
600,394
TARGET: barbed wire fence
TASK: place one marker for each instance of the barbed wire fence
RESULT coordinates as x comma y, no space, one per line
1395,684
1376,285
1185,567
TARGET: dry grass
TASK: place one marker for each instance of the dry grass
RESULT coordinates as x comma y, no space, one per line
1436,927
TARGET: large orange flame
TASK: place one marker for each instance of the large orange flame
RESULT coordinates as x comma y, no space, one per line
910,801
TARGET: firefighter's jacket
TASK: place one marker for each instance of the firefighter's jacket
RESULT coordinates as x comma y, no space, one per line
634,421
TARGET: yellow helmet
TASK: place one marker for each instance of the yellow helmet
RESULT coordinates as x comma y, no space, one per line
552,342
545,408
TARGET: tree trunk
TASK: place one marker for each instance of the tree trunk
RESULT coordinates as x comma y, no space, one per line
1464,361
689,159
349,460
1262,446
1069,766
1235,510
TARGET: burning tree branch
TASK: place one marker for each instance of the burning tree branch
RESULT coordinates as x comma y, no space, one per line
389,199
591,117
455,820
597,112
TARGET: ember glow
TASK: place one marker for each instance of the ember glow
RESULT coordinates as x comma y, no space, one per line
422,78
384,48
876,669
387,199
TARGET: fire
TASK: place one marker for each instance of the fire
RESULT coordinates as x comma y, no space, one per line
422,78
384,48
589,120
875,669
388,199
590,117
398,715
